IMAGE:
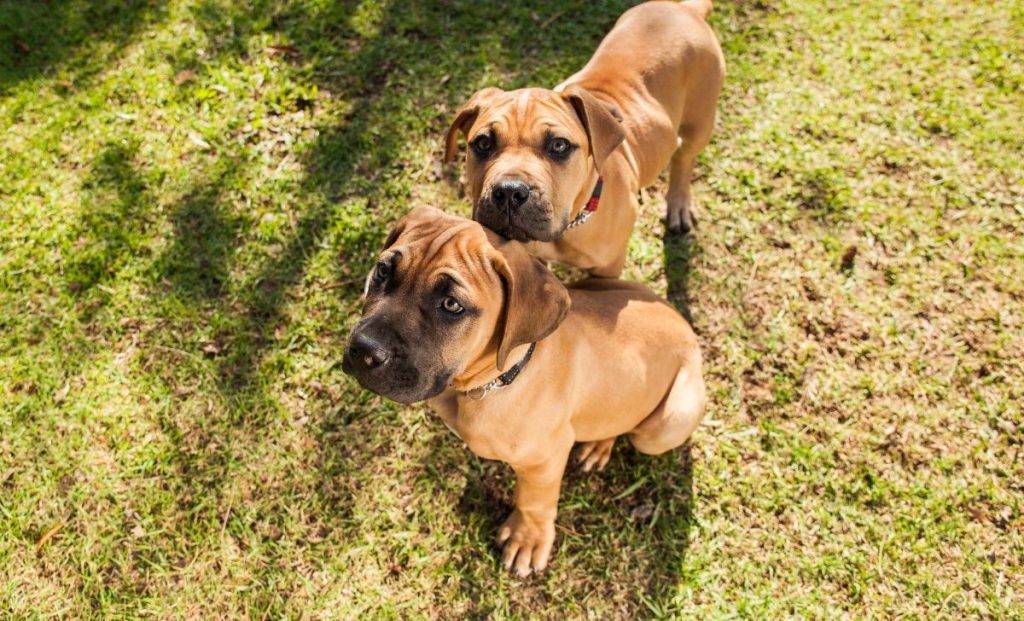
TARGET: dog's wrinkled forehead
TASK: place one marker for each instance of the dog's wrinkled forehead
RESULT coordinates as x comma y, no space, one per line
525,111
434,244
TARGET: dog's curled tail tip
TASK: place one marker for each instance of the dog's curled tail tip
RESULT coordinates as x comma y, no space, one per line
702,7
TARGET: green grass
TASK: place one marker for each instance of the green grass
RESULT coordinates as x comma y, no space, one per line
181,259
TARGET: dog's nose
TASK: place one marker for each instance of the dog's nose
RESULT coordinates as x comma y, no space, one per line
367,352
510,193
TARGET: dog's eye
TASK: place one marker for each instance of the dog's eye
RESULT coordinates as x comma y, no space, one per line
451,305
559,147
482,145
381,273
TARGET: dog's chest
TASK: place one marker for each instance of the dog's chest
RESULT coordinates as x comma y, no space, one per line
488,434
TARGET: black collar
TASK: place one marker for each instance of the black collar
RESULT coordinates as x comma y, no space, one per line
504,379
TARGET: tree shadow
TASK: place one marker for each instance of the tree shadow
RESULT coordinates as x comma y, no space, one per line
111,231
38,38
197,262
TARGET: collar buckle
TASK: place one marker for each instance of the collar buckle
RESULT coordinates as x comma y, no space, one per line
502,380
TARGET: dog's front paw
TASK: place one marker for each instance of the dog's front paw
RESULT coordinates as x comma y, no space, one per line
527,541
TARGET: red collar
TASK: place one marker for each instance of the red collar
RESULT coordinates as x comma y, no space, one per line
591,206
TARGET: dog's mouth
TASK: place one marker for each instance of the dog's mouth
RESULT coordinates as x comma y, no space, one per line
514,232
399,379
532,223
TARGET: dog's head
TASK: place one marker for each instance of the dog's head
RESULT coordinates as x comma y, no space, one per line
531,156
447,296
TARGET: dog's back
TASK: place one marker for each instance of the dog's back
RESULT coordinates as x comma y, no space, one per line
634,316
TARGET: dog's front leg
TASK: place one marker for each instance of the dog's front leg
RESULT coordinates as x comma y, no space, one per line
528,534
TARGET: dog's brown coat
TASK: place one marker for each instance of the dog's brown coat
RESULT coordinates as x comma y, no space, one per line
659,70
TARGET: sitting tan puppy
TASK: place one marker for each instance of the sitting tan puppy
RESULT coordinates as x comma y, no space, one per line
541,162
520,367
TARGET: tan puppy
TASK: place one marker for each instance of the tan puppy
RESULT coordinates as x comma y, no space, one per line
520,367
647,97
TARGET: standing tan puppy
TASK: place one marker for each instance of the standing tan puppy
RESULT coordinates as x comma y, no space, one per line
520,367
562,168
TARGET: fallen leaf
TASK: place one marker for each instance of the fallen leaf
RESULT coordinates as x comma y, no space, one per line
197,140
185,75
642,511
23,47
138,532
846,263
48,535
212,348
62,394
282,50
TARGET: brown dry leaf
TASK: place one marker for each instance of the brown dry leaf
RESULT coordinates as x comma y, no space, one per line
212,348
23,47
282,50
185,75
979,514
846,263
642,511
48,535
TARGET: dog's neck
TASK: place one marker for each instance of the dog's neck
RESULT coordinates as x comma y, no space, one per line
485,369
585,193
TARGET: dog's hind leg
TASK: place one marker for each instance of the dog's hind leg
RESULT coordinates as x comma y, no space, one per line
679,214
595,455
675,418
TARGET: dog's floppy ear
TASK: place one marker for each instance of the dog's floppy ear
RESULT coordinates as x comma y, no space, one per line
602,121
464,119
535,301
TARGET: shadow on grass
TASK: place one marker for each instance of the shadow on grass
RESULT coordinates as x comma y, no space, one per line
38,38
198,260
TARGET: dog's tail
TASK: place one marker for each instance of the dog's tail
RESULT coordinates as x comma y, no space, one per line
702,7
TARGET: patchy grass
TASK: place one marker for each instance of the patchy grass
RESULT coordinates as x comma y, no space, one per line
192,190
